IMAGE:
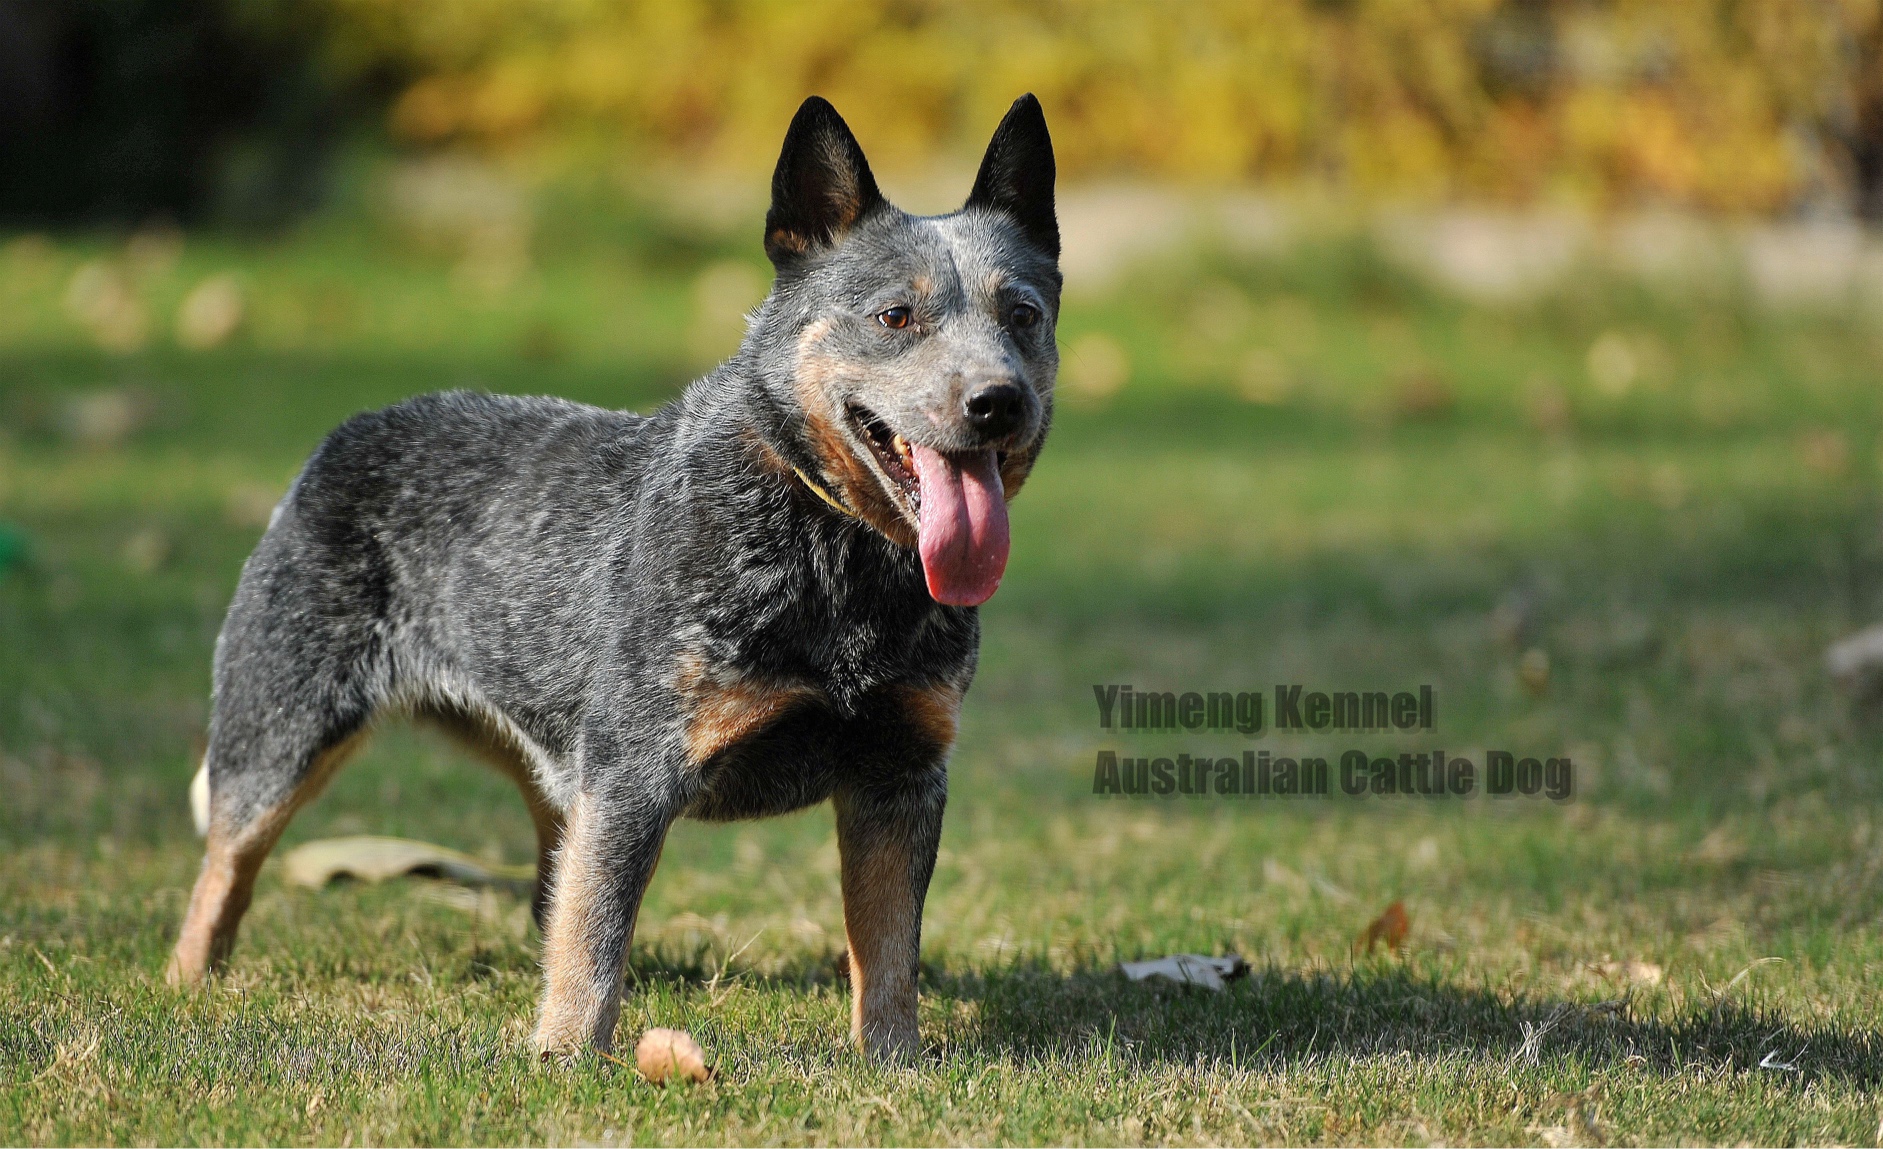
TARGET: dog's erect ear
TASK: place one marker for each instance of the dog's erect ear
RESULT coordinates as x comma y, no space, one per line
822,186
1017,174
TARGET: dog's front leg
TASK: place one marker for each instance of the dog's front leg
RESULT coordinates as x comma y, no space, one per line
887,834
608,852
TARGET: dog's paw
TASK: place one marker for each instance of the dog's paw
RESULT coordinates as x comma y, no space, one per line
896,1042
178,974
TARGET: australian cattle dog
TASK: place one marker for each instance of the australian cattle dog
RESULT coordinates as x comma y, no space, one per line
758,597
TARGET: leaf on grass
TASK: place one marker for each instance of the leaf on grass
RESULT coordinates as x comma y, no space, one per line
1390,927
369,858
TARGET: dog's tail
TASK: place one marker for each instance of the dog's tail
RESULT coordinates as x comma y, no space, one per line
199,799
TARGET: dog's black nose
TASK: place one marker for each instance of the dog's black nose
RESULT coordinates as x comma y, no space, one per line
997,410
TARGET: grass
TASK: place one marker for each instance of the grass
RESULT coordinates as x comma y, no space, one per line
1641,575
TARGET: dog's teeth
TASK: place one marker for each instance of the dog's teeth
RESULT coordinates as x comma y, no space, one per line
901,445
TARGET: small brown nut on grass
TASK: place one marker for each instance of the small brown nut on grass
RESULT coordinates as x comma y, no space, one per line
667,1053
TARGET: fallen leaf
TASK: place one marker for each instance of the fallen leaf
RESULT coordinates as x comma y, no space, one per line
374,859
667,1053
1391,927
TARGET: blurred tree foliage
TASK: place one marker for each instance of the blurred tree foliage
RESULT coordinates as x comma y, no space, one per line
1734,105
128,109
228,108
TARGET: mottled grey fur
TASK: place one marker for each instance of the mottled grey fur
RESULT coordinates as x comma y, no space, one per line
643,617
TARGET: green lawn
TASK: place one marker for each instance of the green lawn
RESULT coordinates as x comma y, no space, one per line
1638,568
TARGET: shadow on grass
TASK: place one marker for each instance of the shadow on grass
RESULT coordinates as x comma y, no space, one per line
1275,1018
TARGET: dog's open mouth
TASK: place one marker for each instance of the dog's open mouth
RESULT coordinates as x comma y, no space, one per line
958,505
894,458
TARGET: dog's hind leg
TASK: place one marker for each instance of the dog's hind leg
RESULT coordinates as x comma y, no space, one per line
242,831
550,825
287,714
484,739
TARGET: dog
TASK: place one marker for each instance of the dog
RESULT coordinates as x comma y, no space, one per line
757,598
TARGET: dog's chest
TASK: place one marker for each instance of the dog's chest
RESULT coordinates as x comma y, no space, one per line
778,672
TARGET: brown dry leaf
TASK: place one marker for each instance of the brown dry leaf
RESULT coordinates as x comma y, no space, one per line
1391,927
667,1053
369,858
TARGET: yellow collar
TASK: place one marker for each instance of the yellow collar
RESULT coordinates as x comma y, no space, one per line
823,494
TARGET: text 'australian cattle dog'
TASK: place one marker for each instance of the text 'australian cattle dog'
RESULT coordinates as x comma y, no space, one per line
761,596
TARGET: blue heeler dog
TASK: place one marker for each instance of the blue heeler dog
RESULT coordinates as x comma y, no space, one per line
758,597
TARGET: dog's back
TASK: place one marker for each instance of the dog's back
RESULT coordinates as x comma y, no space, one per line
447,543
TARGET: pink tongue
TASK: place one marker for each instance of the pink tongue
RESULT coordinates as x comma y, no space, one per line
964,525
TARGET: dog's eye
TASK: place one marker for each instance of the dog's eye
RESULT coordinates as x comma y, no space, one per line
1024,315
895,318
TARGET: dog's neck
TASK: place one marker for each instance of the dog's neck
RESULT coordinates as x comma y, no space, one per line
735,415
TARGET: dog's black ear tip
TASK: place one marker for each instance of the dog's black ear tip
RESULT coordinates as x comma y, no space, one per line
1027,113
814,110
815,119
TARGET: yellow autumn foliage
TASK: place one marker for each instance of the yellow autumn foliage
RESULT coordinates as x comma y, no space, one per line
1720,104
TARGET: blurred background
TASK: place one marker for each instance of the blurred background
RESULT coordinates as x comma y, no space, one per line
1483,342
243,111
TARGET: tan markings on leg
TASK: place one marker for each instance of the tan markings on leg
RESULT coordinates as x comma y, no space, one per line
580,1005
214,899
934,710
233,857
723,710
883,922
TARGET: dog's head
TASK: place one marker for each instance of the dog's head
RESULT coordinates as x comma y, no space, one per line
920,350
